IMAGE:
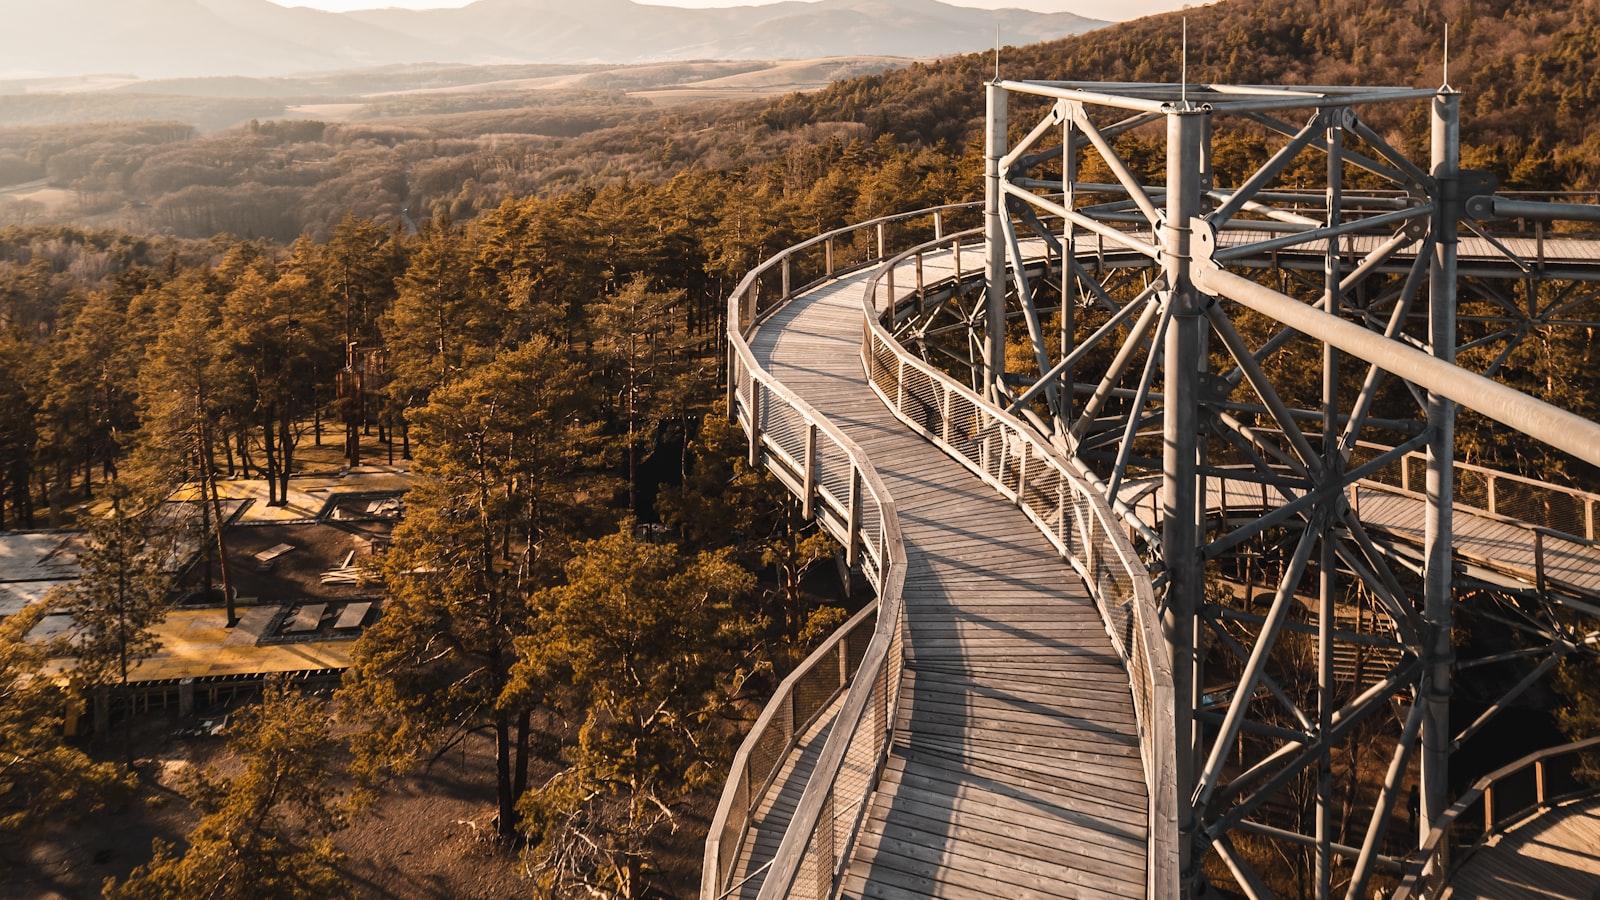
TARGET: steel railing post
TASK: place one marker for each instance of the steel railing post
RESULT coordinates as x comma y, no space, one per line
755,423
852,543
1538,560
994,242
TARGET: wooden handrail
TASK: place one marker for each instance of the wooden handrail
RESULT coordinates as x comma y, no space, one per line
1438,840
1145,659
886,549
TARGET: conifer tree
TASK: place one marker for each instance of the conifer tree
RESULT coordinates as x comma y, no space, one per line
263,831
439,324
121,596
45,781
636,649
18,434
646,347
724,503
508,473
179,413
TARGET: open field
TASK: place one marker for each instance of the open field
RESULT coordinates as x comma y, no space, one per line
214,104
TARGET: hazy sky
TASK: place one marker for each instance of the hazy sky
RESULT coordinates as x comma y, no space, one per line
1101,9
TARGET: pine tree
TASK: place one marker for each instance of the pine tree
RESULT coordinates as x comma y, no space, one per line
439,325
359,266
179,412
89,406
636,648
264,831
18,434
121,596
640,337
45,781
724,503
508,473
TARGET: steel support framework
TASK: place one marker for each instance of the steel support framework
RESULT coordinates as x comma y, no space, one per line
1211,288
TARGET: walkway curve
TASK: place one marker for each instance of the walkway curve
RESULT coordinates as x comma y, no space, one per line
1017,765
1004,688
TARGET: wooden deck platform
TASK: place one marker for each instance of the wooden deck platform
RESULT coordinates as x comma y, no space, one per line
1016,771
1555,854
1501,545
1498,544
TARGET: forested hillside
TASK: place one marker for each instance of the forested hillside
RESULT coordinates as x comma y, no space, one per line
1529,71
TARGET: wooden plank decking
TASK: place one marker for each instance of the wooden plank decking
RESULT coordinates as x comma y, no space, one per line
772,816
1496,544
1493,542
1557,854
1016,770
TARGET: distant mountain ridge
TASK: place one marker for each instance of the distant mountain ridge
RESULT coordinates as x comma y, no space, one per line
165,38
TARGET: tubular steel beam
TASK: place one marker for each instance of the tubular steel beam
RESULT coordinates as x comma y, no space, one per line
1372,252
1550,424
994,228
1181,528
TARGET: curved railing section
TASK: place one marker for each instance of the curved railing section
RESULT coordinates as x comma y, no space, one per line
1533,784
1019,463
840,489
802,698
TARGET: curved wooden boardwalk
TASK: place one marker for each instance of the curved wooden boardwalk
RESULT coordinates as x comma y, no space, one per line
1016,767
1555,854
1016,771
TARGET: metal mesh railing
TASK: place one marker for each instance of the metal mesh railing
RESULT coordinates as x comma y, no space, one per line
1021,464
818,462
1498,801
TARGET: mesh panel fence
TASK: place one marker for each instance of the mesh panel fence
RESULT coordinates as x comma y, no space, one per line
1009,458
814,689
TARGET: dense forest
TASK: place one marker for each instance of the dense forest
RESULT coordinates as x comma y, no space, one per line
538,359
547,295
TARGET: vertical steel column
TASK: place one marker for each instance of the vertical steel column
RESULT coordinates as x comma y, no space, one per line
1181,525
1069,254
994,240
1327,563
1438,529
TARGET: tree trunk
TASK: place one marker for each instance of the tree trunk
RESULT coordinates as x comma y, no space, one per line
506,827
245,462
519,784
270,450
205,527
285,453
208,479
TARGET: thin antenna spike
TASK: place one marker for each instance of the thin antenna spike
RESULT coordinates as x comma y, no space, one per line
1446,54
1184,66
